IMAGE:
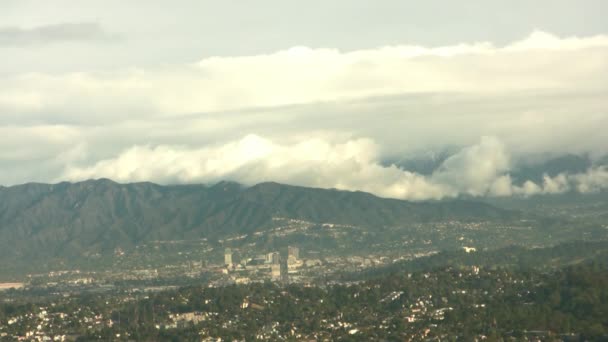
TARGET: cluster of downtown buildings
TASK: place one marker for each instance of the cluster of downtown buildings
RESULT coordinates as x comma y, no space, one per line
279,265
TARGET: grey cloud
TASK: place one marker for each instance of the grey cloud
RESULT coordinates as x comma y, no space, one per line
62,32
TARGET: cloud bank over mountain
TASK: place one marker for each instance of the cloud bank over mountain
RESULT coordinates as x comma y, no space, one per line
479,170
321,117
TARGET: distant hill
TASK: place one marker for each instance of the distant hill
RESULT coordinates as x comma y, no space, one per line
96,216
518,257
569,164
524,170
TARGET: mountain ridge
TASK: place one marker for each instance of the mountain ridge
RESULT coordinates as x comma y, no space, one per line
39,221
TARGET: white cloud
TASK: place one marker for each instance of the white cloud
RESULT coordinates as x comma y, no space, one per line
319,117
304,75
501,187
352,165
556,185
539,40
593,180
529,188
475,169
478,170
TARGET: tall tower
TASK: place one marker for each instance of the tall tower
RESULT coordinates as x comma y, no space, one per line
275,272
273,258
228,256
293,253
279,272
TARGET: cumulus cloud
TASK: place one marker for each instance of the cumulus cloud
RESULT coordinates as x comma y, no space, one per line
320,117
63,32
479,170
474,170
352,165
595,179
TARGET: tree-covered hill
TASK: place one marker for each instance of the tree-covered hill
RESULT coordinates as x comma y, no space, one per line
97,216
512,257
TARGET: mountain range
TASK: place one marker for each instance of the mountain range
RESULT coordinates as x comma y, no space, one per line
39,221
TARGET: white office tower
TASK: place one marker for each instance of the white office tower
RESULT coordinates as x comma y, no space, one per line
275,271
293,253
279,272
228,257
273,258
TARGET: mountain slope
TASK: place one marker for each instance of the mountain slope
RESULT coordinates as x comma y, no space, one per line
44,220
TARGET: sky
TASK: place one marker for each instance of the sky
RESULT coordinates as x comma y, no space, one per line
315,93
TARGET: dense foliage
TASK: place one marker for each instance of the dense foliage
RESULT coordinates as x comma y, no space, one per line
512,257
450,303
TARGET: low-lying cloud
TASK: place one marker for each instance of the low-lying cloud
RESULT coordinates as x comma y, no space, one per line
479,170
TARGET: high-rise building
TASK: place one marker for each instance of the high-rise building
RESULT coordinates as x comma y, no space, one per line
293,253
228,256
273,258
284,272
279,272
275,271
